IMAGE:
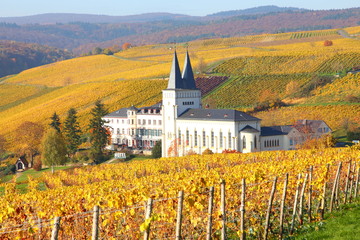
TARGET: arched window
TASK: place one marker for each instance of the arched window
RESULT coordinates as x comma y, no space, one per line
244,142
255,142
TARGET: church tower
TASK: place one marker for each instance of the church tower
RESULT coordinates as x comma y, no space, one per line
180,95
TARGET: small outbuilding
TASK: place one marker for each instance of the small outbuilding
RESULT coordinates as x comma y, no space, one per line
21,164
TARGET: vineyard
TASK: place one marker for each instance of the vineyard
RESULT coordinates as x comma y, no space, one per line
239,71
122,190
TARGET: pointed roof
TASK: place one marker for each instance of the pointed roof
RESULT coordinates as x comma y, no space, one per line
188,75
175,80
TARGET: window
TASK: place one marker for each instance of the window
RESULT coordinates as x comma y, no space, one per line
132,121
117,121
123,130
154,122
221,139
204,139
118,130
187,137
144,122
123,121
212,139
244,142
139,121
160,132
149,122
188,103
255,142
179,136
195,138
229,140
159,122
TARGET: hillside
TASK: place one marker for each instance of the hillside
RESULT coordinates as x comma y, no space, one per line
82,33
16,57
244,71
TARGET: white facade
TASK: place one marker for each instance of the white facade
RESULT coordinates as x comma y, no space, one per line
185,127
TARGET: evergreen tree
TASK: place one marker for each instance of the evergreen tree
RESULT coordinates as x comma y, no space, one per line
156,151
55,122
54,149
98,132
72,132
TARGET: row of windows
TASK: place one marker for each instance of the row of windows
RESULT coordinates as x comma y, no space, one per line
188,103
140,132
140,121
272,143
212,138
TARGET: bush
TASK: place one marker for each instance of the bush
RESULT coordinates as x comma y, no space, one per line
37,163
326,141
353,135
328,43
230,151
352,99
10,169
207,151
156,151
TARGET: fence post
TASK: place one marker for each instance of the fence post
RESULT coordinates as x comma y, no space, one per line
301,203
333,192
179,215
56,228
323,199
356,183
310,193
210,210
295,205
242,211
347,182
352,180
222,209
148,211
95,227
282,206
267,221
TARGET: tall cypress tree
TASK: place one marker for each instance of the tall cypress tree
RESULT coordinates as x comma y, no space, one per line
72,132
98,132
55,122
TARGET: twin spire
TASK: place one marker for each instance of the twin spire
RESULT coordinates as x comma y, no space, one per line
184,81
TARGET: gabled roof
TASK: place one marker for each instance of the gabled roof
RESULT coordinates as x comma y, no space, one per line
275,130
175,80
216,115
249,129
118,113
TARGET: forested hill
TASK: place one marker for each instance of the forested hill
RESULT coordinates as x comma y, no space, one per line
16,57
82,33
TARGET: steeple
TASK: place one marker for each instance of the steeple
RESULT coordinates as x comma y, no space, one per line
188,75
175,80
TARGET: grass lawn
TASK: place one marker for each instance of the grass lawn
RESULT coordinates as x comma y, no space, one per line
342,224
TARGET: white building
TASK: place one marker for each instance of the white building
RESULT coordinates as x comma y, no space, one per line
184,126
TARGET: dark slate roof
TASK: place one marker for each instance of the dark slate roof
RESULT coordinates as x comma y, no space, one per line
275,130
249,129
118,113
175,79
188,75
216,115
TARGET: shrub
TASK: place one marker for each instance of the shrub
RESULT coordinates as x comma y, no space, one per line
230,151
352,99
328,43
207,151
37,163
156,151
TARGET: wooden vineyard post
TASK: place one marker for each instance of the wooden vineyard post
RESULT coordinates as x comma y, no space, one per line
223,212
323,199
333,192
352,179
295,205
242,211
56,228
356,183
148,211
95,227
268,212
179,215
210,210
301,202
282,206
310,194
347,183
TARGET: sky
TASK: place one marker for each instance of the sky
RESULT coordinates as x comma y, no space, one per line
13,8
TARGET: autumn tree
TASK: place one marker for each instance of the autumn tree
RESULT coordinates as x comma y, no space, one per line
2,145
29,136
55,122
53,149
126,46
98,131
72,132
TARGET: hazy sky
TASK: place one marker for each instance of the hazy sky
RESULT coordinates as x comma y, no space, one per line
120,7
